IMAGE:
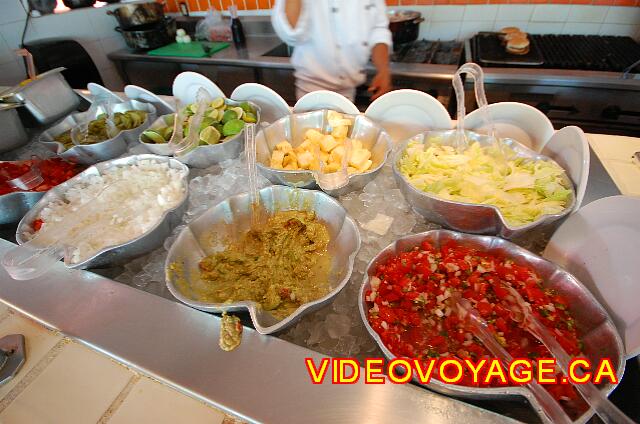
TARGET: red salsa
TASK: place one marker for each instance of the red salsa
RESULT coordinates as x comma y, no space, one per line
54,171
409,307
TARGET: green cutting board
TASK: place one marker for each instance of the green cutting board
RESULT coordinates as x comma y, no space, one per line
192,49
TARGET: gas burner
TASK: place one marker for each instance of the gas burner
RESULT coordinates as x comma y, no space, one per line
424,51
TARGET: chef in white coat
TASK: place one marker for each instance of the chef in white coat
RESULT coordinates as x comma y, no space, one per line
333,41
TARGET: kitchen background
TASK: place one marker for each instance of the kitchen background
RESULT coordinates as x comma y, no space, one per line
444,20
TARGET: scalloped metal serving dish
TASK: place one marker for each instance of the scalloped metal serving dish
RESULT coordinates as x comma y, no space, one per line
88,154
470,217
231,217
599,334
113,255
292,128
203,156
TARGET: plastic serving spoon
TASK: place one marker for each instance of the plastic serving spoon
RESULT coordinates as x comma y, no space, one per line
480,329
30,179
521,313
252,170
34,258
337,179
191,141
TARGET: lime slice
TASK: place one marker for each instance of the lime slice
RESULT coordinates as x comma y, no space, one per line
229,115
212,113
238,111
217,103
232,127
206,122
247,107
249,118
167,133
153,137
193,108
210,135
170,119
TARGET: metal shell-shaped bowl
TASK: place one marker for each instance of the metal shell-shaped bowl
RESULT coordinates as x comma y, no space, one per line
292,128
600,337
113,255
469,217
88,154
232,217
203,156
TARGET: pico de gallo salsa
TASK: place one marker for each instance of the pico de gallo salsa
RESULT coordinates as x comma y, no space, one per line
410,307
54,171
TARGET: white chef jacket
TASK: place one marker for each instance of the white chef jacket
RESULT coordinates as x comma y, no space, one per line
333,41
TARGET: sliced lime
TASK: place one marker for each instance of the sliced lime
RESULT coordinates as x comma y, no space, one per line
229,115
193,108
249,118
238,111
247,107
217,103
206,122
212,113
232,127
170,119
153,137
210,135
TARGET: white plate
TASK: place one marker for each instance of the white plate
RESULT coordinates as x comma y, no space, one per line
142,94
600,245
98,90
518,121
570,148
186,85
324,99
272,105
405,113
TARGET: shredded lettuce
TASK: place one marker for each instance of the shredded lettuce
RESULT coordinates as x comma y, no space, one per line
523,189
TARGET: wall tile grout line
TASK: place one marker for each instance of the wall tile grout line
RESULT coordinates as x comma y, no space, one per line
33,374
117,402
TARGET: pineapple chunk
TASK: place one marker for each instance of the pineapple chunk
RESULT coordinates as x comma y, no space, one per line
359,157
290,159
366,166
305,159
277,158
337,154
284,146
336,119
304,146
313,135
351,170
340,132
331,167
328,143
356,145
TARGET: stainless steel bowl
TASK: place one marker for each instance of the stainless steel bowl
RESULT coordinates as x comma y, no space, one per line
469,217
292,128
233,216
122,253
48,98
204,156
599,334
105,150
13,206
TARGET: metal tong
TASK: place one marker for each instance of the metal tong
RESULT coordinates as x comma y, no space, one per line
37,256
552,409
522,314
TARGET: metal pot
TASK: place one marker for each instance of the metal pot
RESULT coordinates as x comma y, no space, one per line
134,15
404,25
152,36
13,133
74,4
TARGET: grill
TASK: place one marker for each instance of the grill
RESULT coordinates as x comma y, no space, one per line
424,51
582,52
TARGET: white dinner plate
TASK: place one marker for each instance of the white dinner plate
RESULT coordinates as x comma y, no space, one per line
135,92
272,105
600,245
518,121
97,90
405,113
324,99
570,148
186,85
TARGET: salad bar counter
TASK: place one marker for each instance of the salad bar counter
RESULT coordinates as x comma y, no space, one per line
350,255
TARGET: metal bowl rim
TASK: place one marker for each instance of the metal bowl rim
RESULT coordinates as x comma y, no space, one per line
487,392
543,218
103,166
252,306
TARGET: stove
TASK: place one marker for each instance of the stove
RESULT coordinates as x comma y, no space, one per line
425,51
584,80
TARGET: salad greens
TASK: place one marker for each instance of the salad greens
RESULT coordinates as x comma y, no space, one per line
523,189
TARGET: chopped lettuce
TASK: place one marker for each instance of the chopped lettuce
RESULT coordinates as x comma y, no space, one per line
521,188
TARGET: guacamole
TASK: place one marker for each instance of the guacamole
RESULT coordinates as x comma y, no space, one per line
281,265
